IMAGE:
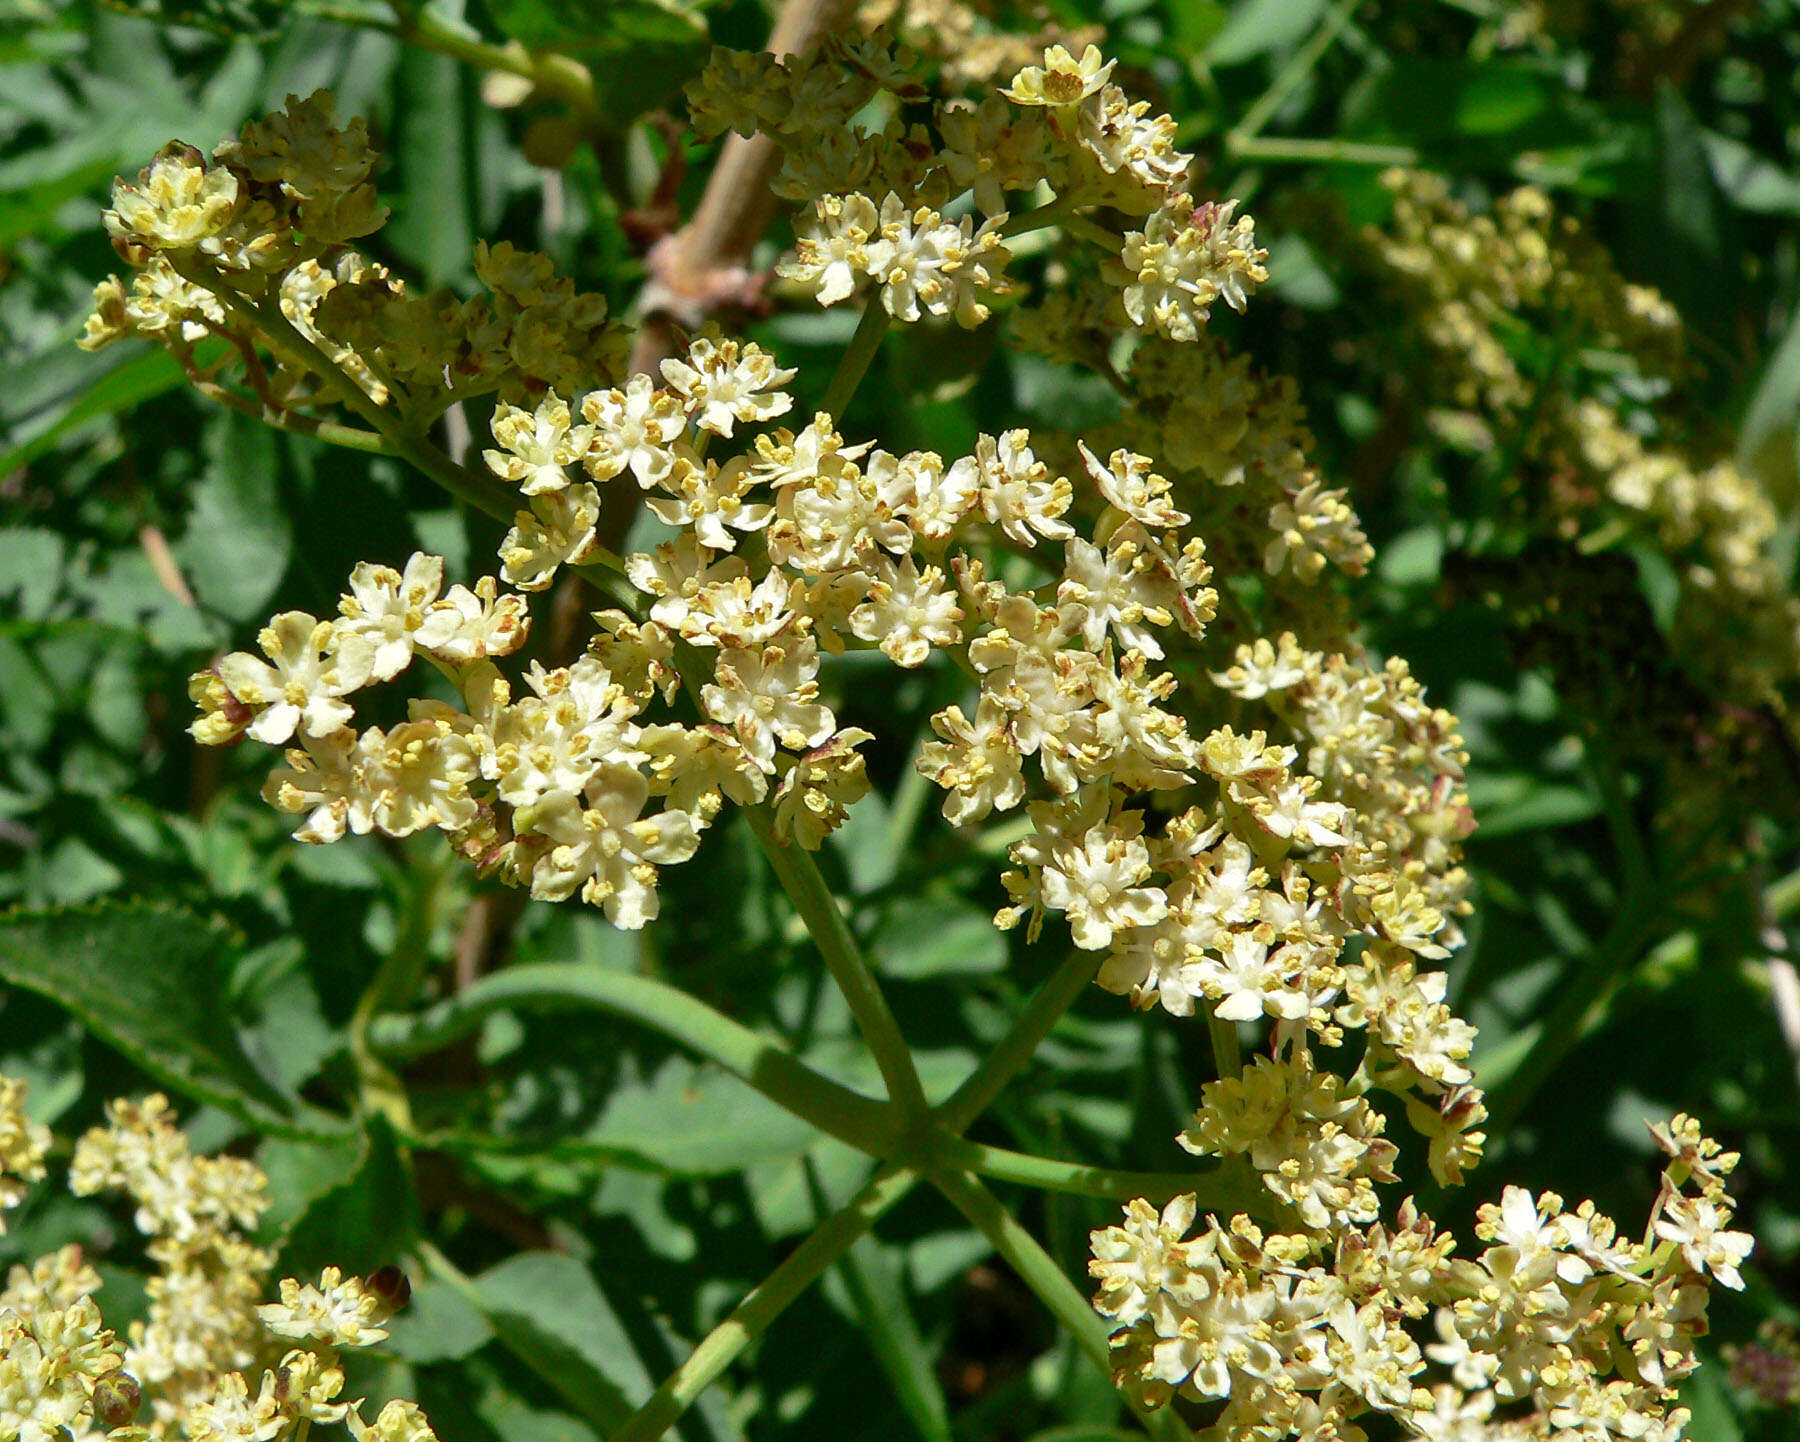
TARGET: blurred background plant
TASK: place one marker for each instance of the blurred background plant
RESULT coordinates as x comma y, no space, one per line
1533,277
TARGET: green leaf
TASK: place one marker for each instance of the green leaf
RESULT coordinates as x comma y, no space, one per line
433,224
238,538
874,1274
438,1324
1752,181
301,1172
936,936
32,209
151,980
116,387
1258,26
255,18
1518,801
367,1221
697,1121
1766,438
550,1313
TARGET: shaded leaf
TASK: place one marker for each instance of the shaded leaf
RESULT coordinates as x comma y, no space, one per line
151,981
548,1310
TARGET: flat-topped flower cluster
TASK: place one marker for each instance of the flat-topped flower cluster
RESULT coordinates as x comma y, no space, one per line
211,1361
1559,1328
1251,823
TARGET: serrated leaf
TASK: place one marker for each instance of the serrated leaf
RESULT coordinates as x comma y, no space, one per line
151,980
550,1313
238,538
366,1221
257,19
938,936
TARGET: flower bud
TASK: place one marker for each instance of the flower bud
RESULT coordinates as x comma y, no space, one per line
390,1285
116,1398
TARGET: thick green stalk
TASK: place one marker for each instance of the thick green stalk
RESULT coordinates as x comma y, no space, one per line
751,1316
853,365
1016,1048
1293,74
1341,152
1039,1271
818,908
560,986
1217,1189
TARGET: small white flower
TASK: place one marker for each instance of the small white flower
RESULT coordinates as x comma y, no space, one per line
312,664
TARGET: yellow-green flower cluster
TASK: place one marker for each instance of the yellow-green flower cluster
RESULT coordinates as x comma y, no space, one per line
1253,824
258,233
1600,461
207,1363
1558,1328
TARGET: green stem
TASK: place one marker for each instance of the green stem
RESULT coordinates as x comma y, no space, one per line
853,365
751,1316
1217,1191
1292,74
1038,1270
349,437
290,345
1016,1048
554,75
1228,1057
560,986
1347,152
818,908
396,983
1052,212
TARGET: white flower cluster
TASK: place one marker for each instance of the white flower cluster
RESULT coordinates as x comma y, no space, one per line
1186,257
1558,1329
207,1363
23,1144
923,263
1063,125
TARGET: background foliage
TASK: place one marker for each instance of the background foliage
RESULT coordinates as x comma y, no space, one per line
588,1201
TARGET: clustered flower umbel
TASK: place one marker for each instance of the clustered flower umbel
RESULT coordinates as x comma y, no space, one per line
268,218
1297,870
1605,433
1559,1328
208,1362
877,198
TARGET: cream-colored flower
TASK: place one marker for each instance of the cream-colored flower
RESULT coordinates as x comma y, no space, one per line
1062,80
339,1312
767,697
907,611
1186,257
607,848
537,447
311,666
723,382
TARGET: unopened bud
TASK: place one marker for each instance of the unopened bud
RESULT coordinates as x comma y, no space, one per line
116,1398
389,1283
